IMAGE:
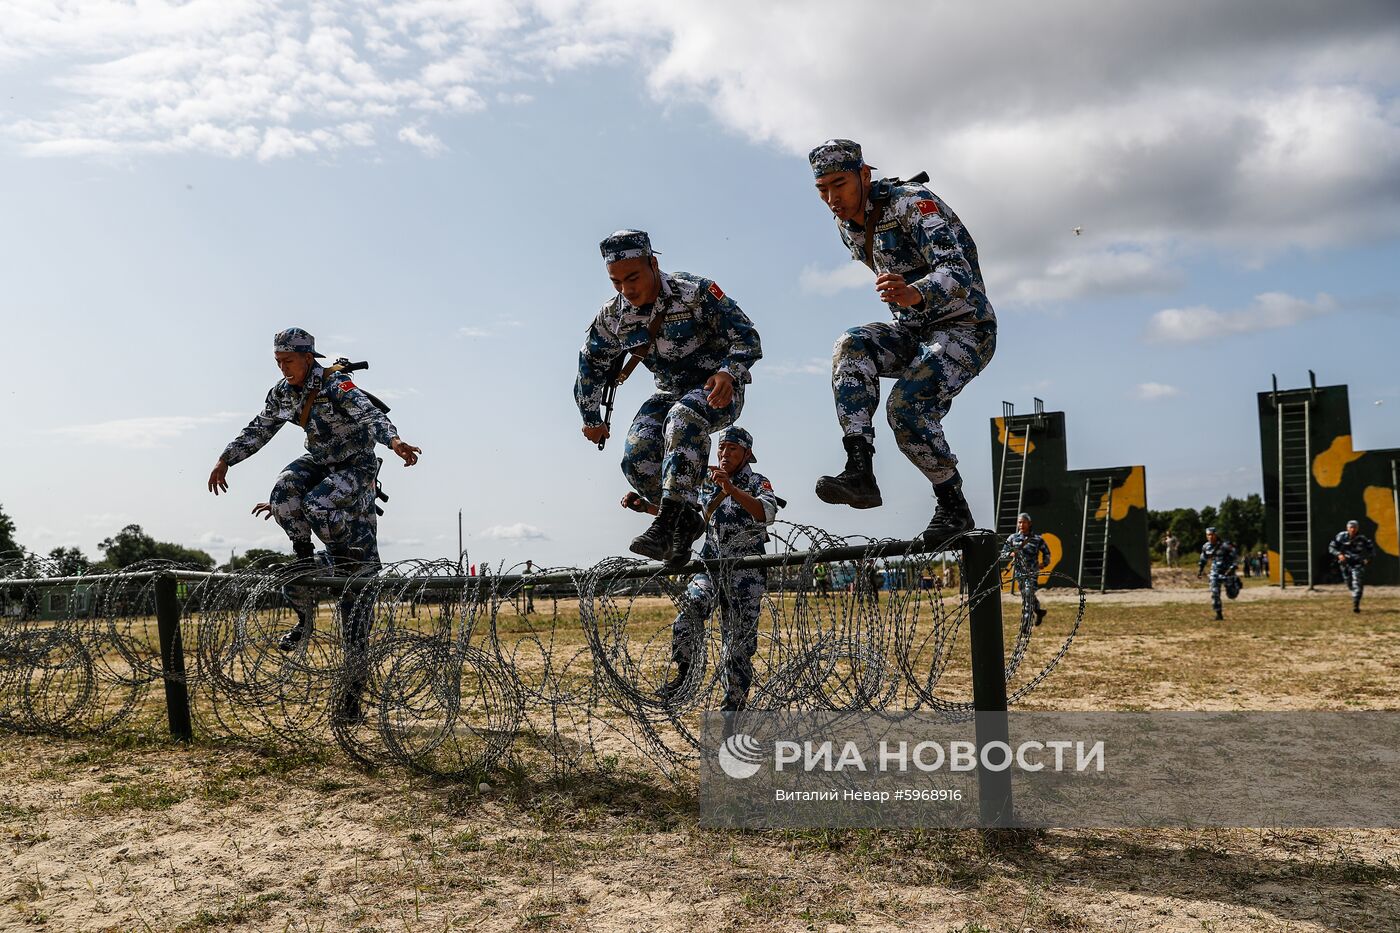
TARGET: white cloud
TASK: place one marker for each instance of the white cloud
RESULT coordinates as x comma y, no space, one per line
473,332
1151,391
430,144
139,433
813,366
1242,125
517,532
815,280
1268,311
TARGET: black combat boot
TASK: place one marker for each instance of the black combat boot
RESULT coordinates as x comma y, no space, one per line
673,686
1219,616
300,597
656,541
689,526
951,518
854,486
347,709
1356,604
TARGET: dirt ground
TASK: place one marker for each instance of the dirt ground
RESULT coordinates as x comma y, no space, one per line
130,832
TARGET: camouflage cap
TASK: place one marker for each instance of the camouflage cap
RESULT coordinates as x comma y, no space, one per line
1210,530
836,155
1024,516
295,340
744,439
1353,524
626,244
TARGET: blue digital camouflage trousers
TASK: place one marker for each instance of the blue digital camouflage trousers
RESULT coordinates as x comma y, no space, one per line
930,369
740,601
1218,579
335,503
1030,585
668,444
1354,576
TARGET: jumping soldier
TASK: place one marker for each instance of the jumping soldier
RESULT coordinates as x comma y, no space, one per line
943,333
330,490
1029,555
1353,551
739,505
699,346
1222,557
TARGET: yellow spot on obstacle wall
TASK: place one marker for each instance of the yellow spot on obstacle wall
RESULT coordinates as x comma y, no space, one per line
1275,565
1328,465
1380,508
1020,441
1129,494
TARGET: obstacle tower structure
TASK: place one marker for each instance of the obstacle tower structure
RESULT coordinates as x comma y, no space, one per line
1093,521
1315,481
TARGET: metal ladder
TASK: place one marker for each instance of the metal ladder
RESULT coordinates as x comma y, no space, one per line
1295,544
1094,533
1011,480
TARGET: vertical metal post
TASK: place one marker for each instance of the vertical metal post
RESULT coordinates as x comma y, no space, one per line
1307,473
1107,530
988,673
172,659
1395,498
1279,418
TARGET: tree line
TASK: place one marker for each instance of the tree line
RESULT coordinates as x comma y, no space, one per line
129,546
1239,521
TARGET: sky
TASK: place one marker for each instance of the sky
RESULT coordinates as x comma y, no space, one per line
423,184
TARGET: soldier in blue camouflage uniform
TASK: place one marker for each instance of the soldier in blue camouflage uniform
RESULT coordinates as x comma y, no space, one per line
739,504
1222,557
329,491
699,345
943,333
1029,555
1353,551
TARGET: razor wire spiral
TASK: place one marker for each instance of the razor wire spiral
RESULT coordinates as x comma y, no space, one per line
453,675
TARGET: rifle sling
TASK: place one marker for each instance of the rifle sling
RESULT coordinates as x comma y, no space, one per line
653,328
872,223
311,396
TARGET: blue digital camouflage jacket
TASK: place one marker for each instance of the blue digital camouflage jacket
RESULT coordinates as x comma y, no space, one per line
1356,550
704,332
1222,557
1029,551
730,530
920,238
344,424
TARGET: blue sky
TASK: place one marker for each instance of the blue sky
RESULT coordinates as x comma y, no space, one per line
424,185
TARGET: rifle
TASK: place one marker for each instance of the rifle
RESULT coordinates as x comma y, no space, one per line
622,367
343,365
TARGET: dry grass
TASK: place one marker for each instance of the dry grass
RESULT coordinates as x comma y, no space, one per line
130,833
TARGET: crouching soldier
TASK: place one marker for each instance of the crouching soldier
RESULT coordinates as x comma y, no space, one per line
1353,551
1029,555
699,345
1222,557
739,505
328,492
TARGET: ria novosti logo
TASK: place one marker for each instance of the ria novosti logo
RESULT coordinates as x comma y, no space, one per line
740,756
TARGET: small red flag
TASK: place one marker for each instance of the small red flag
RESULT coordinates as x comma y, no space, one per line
716,291
346,385
927,207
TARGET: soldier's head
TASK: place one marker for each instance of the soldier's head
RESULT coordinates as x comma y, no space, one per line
735,450
1353,528
1023,523
1211,536
632,266
843,178
295,352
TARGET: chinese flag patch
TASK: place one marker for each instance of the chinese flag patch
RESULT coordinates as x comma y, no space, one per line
927,207
346,385
716,291
767,486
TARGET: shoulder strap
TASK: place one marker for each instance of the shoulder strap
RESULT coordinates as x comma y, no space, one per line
653,328
311,396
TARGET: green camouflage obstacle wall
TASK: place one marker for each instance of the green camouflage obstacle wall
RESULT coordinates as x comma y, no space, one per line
1054,495
1342,483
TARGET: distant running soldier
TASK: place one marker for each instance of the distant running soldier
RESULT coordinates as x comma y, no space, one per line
1353,551
330,490
943,333
699,345
1222,557
739,506
1029,555
1171,547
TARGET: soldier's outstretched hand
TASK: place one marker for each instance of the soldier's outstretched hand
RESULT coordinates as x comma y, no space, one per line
407,452
264,509
721,389
218,481
637,503
596,432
